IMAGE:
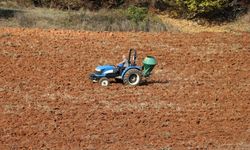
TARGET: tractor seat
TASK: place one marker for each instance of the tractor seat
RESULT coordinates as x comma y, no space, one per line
120,68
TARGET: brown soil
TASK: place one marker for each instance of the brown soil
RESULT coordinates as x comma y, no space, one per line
197,97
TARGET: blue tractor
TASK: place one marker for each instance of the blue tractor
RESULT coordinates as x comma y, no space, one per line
131,74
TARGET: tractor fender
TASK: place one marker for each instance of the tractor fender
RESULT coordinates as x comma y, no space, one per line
130,67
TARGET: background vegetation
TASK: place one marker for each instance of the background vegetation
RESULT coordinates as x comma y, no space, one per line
117,15
210,9
130,19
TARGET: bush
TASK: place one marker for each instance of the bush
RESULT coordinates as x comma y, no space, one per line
136,14
220,10
194,7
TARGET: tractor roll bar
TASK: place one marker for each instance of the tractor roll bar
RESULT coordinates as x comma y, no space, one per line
134,57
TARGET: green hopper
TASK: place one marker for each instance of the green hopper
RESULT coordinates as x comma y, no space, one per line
148,65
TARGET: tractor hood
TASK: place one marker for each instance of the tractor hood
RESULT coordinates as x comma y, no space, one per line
106,69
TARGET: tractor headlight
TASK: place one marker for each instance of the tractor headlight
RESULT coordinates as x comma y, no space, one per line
98,70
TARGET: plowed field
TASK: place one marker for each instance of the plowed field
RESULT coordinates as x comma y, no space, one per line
197,97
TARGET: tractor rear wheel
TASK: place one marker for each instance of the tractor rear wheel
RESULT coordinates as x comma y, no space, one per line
104,81
132,77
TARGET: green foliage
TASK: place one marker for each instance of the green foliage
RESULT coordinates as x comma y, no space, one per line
207,9
202,6
191,8
136,14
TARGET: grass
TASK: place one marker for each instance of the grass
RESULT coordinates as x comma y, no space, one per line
188,26
102,20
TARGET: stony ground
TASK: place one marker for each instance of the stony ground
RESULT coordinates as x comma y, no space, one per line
197,97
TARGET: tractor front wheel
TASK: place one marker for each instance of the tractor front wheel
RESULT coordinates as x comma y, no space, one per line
104,81
132,77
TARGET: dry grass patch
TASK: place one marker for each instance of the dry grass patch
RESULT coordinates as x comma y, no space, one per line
102,20
189,26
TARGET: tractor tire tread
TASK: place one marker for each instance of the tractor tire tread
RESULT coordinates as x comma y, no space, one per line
130,72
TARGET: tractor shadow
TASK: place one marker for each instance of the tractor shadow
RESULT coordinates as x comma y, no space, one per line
145,83
152,82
